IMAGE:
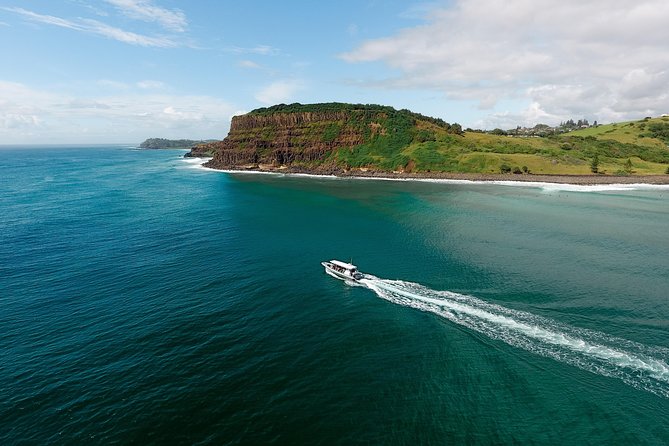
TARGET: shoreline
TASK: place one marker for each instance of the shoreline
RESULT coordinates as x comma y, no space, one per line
578,180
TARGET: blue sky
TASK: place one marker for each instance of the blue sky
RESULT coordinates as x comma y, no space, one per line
104,71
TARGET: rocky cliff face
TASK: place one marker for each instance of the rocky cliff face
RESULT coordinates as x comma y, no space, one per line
321,137
283,139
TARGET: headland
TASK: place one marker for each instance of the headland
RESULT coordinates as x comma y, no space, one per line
373,141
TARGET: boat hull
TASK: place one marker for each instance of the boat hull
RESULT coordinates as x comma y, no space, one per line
330,269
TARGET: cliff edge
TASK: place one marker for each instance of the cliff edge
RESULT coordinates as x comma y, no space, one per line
323,137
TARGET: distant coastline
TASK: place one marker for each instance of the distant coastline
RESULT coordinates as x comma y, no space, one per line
164,144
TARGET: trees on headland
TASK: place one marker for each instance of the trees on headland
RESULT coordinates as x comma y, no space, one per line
358,111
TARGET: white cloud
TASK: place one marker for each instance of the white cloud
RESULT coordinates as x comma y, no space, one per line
262,50
249,64
564,58
11,121
112,84
145,10
151,85
278,92
86,104
111,32
92,8
29,115
96,27
42,18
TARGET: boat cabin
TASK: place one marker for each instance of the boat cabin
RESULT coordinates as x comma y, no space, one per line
343,267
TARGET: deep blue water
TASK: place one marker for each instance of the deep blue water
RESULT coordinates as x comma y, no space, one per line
145,301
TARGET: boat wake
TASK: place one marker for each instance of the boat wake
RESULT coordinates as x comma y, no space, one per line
641,366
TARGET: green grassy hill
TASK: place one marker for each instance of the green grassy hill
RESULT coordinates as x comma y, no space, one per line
484,153
642,142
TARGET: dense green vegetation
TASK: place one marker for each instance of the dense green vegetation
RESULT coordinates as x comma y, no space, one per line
659,130
629,150
360,112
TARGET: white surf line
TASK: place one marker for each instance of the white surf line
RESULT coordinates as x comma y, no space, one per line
196,163
565,187
546,186
633,368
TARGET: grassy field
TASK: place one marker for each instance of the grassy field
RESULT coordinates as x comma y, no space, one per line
570,153
631,132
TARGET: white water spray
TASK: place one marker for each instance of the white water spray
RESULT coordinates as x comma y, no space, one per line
638,365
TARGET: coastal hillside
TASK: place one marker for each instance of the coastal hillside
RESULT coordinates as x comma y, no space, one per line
326,137
335,137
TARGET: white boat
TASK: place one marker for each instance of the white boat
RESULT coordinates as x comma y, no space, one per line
342,270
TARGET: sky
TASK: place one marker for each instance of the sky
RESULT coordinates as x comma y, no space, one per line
117,71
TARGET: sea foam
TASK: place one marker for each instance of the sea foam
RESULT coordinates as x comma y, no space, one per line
643,367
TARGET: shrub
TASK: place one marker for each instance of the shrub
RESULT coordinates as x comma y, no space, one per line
628,166
425,135
331,132
594,164
659,130
505,168
517,171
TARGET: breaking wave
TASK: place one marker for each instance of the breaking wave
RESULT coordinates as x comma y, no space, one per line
195,162
638,365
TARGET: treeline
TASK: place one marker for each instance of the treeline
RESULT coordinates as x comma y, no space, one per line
570,124
364,111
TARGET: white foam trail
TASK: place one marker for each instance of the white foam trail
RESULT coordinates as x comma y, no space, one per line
636,364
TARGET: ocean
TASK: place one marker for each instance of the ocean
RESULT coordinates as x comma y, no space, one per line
145,300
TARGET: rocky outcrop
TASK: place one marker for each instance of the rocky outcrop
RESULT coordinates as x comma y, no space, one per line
314,136
203,150
251,121
283,139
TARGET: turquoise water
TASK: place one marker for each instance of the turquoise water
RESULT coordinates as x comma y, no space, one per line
144,300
